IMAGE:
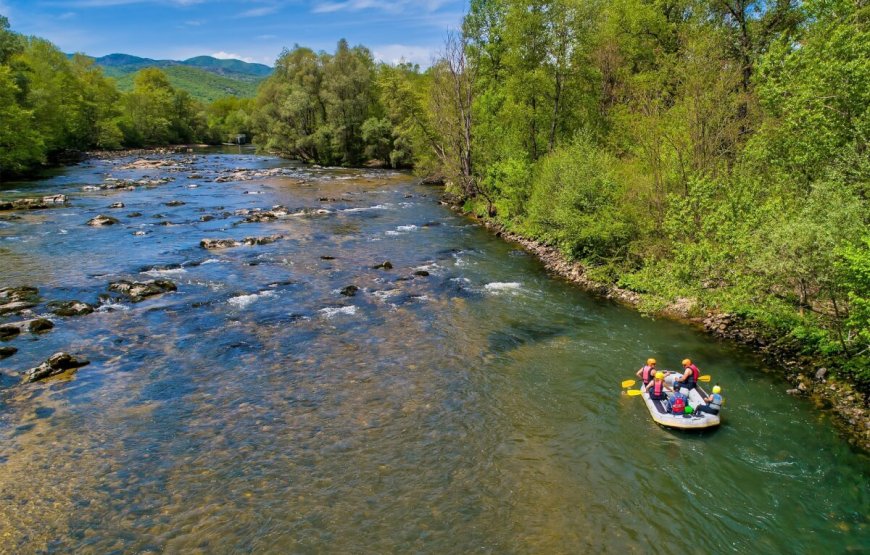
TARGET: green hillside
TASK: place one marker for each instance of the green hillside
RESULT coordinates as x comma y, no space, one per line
202,85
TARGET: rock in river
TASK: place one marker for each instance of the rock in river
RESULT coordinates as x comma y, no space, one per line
139,290
16,299
387,265
70,308
6,352
350,290
101,220
8,331
57,363
116,205
218,243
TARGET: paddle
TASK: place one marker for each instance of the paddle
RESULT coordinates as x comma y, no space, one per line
628,383
634,392
704,378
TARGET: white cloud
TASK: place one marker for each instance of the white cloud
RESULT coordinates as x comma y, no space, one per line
390,6
395,53
110,3
259,12
231,56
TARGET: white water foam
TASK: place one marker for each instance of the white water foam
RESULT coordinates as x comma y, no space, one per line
241,301
165,272
503,287
329,312
367,208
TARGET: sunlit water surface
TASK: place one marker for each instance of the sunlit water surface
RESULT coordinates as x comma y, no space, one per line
476,409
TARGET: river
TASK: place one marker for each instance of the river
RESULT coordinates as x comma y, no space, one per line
461,401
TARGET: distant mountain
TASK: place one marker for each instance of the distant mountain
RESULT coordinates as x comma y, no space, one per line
206,78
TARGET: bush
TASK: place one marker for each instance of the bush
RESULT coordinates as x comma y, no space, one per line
575,204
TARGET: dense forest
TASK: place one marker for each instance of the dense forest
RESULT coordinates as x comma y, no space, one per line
52,105
708,152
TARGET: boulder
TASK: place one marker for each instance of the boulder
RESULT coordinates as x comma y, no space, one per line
70,308
251,241
820,374
100,221
8,331
11,294
386,265
140,290
793,391
6,352
218,243
206,218
134,215
116,205
175,203
350,290
421,273
15,307
39,325
57,363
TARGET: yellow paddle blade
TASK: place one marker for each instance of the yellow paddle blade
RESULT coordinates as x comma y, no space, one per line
634,392
704,378
628,383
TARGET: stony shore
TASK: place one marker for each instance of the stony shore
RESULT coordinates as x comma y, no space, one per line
809,377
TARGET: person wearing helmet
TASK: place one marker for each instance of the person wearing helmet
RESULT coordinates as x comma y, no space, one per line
713,402
656,388
647,372
690,376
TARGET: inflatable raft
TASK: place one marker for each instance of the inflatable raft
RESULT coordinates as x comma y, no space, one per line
695,421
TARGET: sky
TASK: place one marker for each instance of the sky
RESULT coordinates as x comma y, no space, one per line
249,30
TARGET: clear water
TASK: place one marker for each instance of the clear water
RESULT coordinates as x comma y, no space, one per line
474,410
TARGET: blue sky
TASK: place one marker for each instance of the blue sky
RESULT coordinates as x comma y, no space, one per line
251,30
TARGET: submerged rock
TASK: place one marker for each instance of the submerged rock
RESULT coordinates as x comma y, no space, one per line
350,290
57,363
386,265
6,352
100,221
70,308
116,205
175,203
421,273
139,290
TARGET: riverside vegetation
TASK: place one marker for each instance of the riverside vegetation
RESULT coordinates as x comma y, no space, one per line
710,154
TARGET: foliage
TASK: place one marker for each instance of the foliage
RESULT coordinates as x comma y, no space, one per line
202,85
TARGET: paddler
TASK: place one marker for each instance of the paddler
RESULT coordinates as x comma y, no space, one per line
656,389
648,371
690,376
713,403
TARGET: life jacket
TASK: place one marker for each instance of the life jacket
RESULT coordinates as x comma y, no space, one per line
647,374
679,405
658,390
692,380
713,404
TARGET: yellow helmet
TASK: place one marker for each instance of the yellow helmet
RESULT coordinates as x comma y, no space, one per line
716,389
650,361
686,362
660,375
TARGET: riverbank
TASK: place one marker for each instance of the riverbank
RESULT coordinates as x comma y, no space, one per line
809,376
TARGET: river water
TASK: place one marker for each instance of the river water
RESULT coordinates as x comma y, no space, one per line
473,409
